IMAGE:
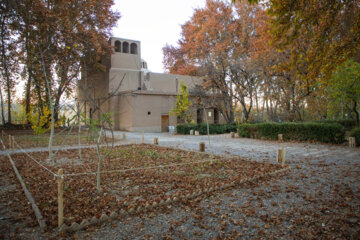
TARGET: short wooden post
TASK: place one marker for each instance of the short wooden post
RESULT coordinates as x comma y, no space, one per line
12,144
156,141
232,134
281,156
280,137
142,139
124,136
191,132
352,142
10,141
202,147
60,180
197,133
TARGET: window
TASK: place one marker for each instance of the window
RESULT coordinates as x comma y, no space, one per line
117,46
133,48
199,114
216,116
125,47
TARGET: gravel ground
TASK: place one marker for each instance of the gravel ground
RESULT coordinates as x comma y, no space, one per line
318,199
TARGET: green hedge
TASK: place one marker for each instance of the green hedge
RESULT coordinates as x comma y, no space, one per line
202,128
347,123
356,133
321,132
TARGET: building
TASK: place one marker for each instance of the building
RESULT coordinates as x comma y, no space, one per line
138,99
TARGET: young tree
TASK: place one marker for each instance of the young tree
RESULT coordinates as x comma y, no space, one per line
182,104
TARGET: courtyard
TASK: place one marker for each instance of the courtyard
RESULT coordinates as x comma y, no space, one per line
317,198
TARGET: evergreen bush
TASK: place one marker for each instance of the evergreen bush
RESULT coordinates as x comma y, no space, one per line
202,128
321,132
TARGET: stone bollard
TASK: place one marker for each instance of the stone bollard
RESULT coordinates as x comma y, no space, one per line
156,141
197,133
232,134
236,135
281,156
191,132
352,142
124,136
280,137
202,147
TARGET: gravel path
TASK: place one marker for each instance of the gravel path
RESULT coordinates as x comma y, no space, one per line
318,199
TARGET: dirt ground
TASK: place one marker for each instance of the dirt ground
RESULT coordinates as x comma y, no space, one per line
318,199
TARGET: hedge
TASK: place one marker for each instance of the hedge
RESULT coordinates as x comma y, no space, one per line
321,132
347,123
356,133
202,128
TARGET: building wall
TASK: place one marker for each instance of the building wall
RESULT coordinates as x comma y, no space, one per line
148,109
170,82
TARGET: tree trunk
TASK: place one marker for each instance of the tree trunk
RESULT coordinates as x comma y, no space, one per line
356,113
27,95
2,106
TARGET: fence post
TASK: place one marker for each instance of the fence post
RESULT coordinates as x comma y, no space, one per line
352,142
60,180
202,147
281,156
156,141
10,140
142,139
12,144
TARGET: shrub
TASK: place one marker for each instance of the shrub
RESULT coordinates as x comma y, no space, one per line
356,134
347,123
328,133
202,128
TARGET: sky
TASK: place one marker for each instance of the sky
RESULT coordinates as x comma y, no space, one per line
154,23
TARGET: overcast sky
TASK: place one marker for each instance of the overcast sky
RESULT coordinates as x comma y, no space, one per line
154,23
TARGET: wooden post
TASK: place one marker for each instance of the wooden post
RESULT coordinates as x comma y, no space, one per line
202,147
142,137
281,156
232,134
280,137
156,141
191,132
60,180
10,141
124,136
12,144
352,142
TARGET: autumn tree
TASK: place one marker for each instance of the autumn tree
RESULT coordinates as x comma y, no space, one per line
216,41
344,88
65,33
8,57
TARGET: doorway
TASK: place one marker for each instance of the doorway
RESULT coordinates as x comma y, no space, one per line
164,123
